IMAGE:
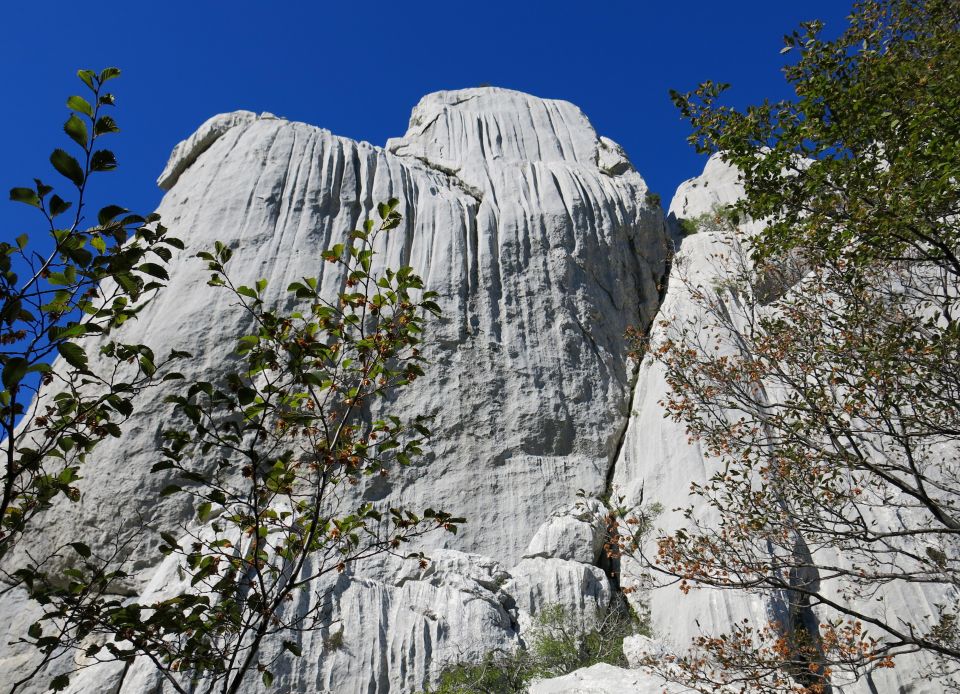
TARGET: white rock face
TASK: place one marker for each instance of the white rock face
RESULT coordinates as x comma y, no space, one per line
582,589
540,241
574,533
718,185
185,153
604,679
383,636
656,459
637,647
19,612
539,238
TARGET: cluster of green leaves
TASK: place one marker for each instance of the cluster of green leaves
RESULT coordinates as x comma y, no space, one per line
268,457
92,280
558,643
75,601
719,218
866,157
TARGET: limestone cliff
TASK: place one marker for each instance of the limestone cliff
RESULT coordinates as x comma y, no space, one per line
544,246
540,239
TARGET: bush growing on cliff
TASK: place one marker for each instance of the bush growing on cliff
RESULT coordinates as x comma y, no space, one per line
719,218
556,645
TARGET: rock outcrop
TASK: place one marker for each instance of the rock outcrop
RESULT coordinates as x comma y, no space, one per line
541,242
604,679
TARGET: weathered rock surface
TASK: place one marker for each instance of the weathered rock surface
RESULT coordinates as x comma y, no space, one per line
582,589
186,152
656,462
539,238
604,679
575,533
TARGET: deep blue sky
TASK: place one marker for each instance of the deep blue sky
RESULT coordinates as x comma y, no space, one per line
358,68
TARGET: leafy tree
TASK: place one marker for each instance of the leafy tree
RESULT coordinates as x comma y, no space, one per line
87,280
269,456
821,371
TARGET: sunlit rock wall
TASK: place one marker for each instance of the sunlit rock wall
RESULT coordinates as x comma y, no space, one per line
539,237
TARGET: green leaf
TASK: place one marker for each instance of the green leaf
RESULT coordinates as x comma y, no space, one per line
104,125
170,540
267,677
171,489
78,103
58,205
67,166
163,253
77,130
109,73
293,648
14,371
81,549
42,188
25,195
87,77
103,160
109,213
121,405
149,368
203,511
73,354
154,270
246,395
